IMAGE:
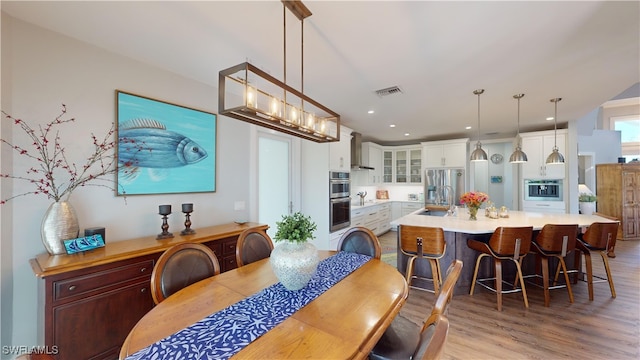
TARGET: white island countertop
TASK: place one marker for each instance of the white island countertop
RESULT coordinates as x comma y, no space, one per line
484,225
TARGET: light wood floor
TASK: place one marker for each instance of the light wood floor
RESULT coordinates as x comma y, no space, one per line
605,328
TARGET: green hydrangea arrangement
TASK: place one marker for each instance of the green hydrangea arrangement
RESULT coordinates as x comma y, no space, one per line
295,228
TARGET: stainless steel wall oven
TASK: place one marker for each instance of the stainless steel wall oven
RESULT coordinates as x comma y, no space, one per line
339,200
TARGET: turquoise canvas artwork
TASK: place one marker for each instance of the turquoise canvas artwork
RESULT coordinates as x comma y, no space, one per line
164,148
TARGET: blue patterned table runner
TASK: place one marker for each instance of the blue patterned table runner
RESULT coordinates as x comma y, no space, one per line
224,333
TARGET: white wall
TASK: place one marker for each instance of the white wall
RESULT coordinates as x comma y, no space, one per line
40,71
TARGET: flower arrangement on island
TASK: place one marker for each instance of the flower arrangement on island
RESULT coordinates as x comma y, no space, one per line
54,175
473,200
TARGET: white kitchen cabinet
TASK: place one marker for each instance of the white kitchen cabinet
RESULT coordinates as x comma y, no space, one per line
376,218
409,207
447,153
387,166
372,156
402,165
384,218
537,146
340,151
335,238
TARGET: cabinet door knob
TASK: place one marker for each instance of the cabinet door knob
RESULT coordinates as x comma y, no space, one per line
143,269
143,290
72,287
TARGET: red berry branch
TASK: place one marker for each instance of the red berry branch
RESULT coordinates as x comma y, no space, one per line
54,175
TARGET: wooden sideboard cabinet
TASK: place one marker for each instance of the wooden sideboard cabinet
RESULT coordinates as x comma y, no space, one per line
618,190
92,300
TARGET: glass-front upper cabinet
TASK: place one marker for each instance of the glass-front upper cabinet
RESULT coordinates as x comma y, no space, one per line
401,167
387,166
415,160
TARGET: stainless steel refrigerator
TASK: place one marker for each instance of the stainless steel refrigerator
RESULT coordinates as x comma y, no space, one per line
443,185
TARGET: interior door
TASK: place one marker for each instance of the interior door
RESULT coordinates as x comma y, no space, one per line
275,195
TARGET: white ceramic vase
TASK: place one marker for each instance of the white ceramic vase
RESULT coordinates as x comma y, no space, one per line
294,263
587,208
59,223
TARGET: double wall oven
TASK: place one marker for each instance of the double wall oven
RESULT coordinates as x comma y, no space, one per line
339,200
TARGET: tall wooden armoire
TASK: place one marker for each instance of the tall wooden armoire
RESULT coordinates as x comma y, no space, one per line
618,190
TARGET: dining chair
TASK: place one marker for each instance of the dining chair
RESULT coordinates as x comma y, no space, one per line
420,242
362,241
554,241
506,243
253,245
404,339
597,238
180,266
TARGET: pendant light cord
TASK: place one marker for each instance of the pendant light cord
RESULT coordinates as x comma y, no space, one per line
478,92
555,122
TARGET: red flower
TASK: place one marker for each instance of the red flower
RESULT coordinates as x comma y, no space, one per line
53,174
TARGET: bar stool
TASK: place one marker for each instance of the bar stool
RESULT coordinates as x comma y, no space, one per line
506,243
554,241
598,238
423,242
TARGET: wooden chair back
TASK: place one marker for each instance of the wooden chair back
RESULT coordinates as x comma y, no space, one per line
181,266
600,234
422,241
360,240
557,238
433,339
506,240
253,245
446,291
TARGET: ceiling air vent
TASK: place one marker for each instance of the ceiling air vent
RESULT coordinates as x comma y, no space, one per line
389,91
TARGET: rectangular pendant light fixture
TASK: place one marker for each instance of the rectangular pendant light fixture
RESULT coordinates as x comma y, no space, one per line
249,94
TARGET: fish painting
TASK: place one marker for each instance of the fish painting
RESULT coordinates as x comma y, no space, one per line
146,143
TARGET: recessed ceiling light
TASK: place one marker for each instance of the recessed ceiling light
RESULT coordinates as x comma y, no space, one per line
392,125
550,118
406,134
468,128
370,112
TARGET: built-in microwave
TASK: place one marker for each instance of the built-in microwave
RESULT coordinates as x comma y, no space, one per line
543,190
339,184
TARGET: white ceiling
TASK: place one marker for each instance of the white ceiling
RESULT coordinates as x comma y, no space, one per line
586,52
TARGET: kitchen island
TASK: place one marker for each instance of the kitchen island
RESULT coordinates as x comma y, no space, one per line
457,229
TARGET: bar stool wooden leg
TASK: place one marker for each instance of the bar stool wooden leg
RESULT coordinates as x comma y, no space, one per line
566,277
409,273
498,264
587,262
545,279
435,275
608,270
524,290
475,273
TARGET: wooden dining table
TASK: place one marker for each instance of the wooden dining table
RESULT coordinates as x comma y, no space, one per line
345,322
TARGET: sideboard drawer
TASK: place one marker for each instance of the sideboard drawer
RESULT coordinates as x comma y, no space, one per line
229,246
83,284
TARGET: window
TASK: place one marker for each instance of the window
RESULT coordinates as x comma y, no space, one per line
629,127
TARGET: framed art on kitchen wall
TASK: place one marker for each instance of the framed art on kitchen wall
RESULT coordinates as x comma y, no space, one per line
164,148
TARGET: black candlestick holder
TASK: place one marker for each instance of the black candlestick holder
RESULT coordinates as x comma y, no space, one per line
187,209
164,210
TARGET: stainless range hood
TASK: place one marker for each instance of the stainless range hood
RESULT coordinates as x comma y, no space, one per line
356,153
